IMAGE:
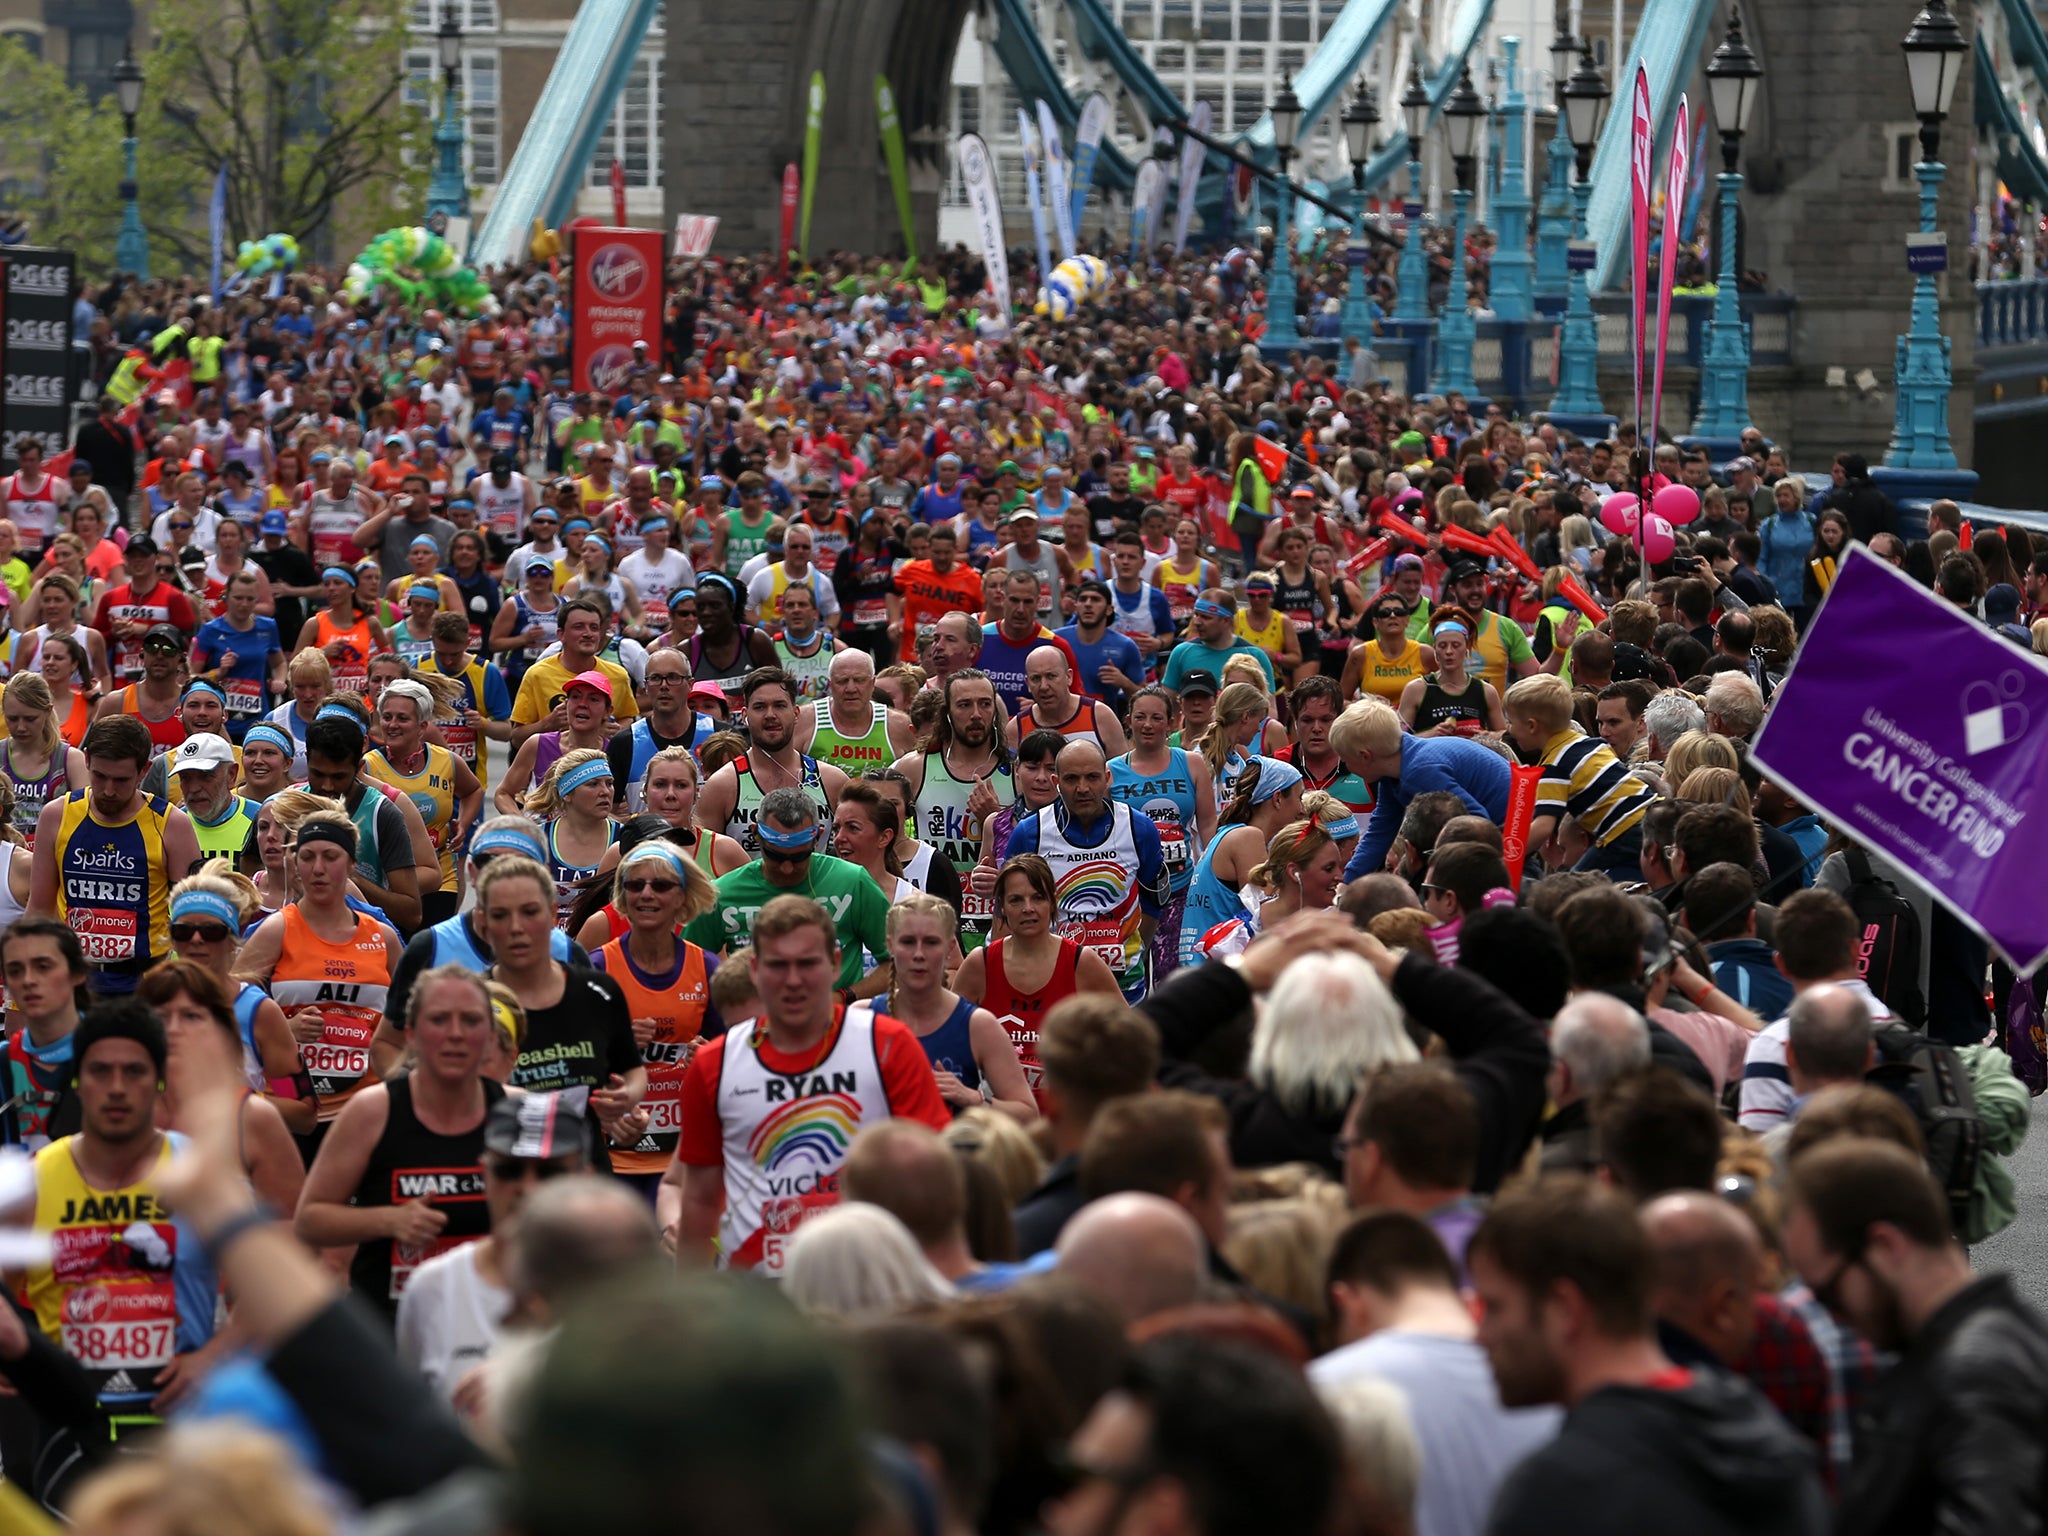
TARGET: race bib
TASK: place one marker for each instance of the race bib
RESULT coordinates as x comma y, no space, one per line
1173,847
870,612
779,1222
245,697
407,1257
106,934
332,1061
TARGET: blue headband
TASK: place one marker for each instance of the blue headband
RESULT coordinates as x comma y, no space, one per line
421,589
1339,830
1275,778
340,573
576,522
340,712
279,738
195,903
509,840
206,688
582,774
1210,610
657,849
1450,624
787,842
426,539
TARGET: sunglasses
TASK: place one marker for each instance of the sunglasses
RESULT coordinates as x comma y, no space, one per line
200,933
161,647
642,887
176,527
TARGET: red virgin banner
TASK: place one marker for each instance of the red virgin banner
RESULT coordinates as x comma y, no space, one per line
615,287
1514,847
791,184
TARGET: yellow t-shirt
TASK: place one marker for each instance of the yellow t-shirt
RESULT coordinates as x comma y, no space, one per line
1385,679
545,679
1272,638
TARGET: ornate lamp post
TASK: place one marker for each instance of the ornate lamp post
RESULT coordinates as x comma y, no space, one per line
1360,118
1281,334
1554,215
1934,51
1411,303
131,246
448,192
1455,328
1510,288
1733,76
1578,357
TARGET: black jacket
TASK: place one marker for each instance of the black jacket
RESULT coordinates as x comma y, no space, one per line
1040,1214
1869,510
1496,1049
1710,1458
1955,1438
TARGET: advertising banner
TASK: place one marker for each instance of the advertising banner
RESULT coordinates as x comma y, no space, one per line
694,234
1056,181
814,133
1027,140
890,127
1667,264
35,358
792,181
1087,145
1642,149
1937,759
1191,155
615,297
1150,177
978,173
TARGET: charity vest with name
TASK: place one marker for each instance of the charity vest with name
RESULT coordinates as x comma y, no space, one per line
786,1136
1097,891
346,984
120,1265
111,887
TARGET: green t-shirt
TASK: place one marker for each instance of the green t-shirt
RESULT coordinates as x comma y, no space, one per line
1193,655
848,892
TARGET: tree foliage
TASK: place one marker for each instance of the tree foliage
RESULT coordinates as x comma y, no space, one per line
303,100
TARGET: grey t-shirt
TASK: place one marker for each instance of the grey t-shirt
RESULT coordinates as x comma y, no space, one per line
398,536
1469,1442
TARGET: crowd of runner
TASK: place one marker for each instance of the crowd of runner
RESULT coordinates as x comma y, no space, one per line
1009,831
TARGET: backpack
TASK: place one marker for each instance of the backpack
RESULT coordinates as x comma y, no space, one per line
1929,1078
1888,951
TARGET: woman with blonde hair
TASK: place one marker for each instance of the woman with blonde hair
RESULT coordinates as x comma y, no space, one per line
310,677
55,604
1282,1248
209,910
34,758
666,981
65,668
971,1054
1302,872
1235,734
1698,749
1713,786
218,1478
980,1134
574,804
1576,544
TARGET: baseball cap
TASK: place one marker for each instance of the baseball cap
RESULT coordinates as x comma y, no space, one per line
394,437
273,522
1407,562
160,632
704,690
1018,516
539,1127
1008,467
2002,603
1091,584
1631,662
232,467
501,460
1461,570
590,679
1198,681
1742,461
205,750
1305,491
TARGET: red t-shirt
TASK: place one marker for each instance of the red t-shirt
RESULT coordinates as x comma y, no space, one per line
906,1078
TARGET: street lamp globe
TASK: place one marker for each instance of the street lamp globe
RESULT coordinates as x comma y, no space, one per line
1463,114
1585,105
1415,111
128,86
1733,75
1360,118
448,39
1286,120
1564,49
1934,51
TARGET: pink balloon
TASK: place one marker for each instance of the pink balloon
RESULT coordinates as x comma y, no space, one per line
1676,504
1618,513
1657,541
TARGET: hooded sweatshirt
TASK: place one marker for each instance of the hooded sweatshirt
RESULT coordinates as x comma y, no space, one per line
1708,1457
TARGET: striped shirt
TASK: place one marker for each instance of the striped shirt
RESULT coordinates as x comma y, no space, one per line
1583,779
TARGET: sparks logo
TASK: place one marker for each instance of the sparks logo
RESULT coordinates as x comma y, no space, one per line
1992,713
617,273
817,1130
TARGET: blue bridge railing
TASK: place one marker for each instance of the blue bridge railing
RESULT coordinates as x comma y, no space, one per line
2012,314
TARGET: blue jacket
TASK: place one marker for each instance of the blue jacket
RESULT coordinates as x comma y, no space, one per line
1787,540
1746,970
1476,774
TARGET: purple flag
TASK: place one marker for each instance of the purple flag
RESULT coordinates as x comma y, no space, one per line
1667,265
1938,760
1642,148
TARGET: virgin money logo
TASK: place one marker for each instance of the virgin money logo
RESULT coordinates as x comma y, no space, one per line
87,1304
611,369
617,273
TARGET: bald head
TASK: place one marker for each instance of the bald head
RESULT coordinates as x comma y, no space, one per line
1594,1041
1708,1257
909,1172
1048,677
1138,1254
1829,1041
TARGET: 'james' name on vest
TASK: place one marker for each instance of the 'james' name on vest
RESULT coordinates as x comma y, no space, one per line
112,1209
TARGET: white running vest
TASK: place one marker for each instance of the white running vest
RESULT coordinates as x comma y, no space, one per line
785,1138
1096,891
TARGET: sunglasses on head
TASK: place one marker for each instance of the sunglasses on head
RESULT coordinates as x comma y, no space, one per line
202,933
161,647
